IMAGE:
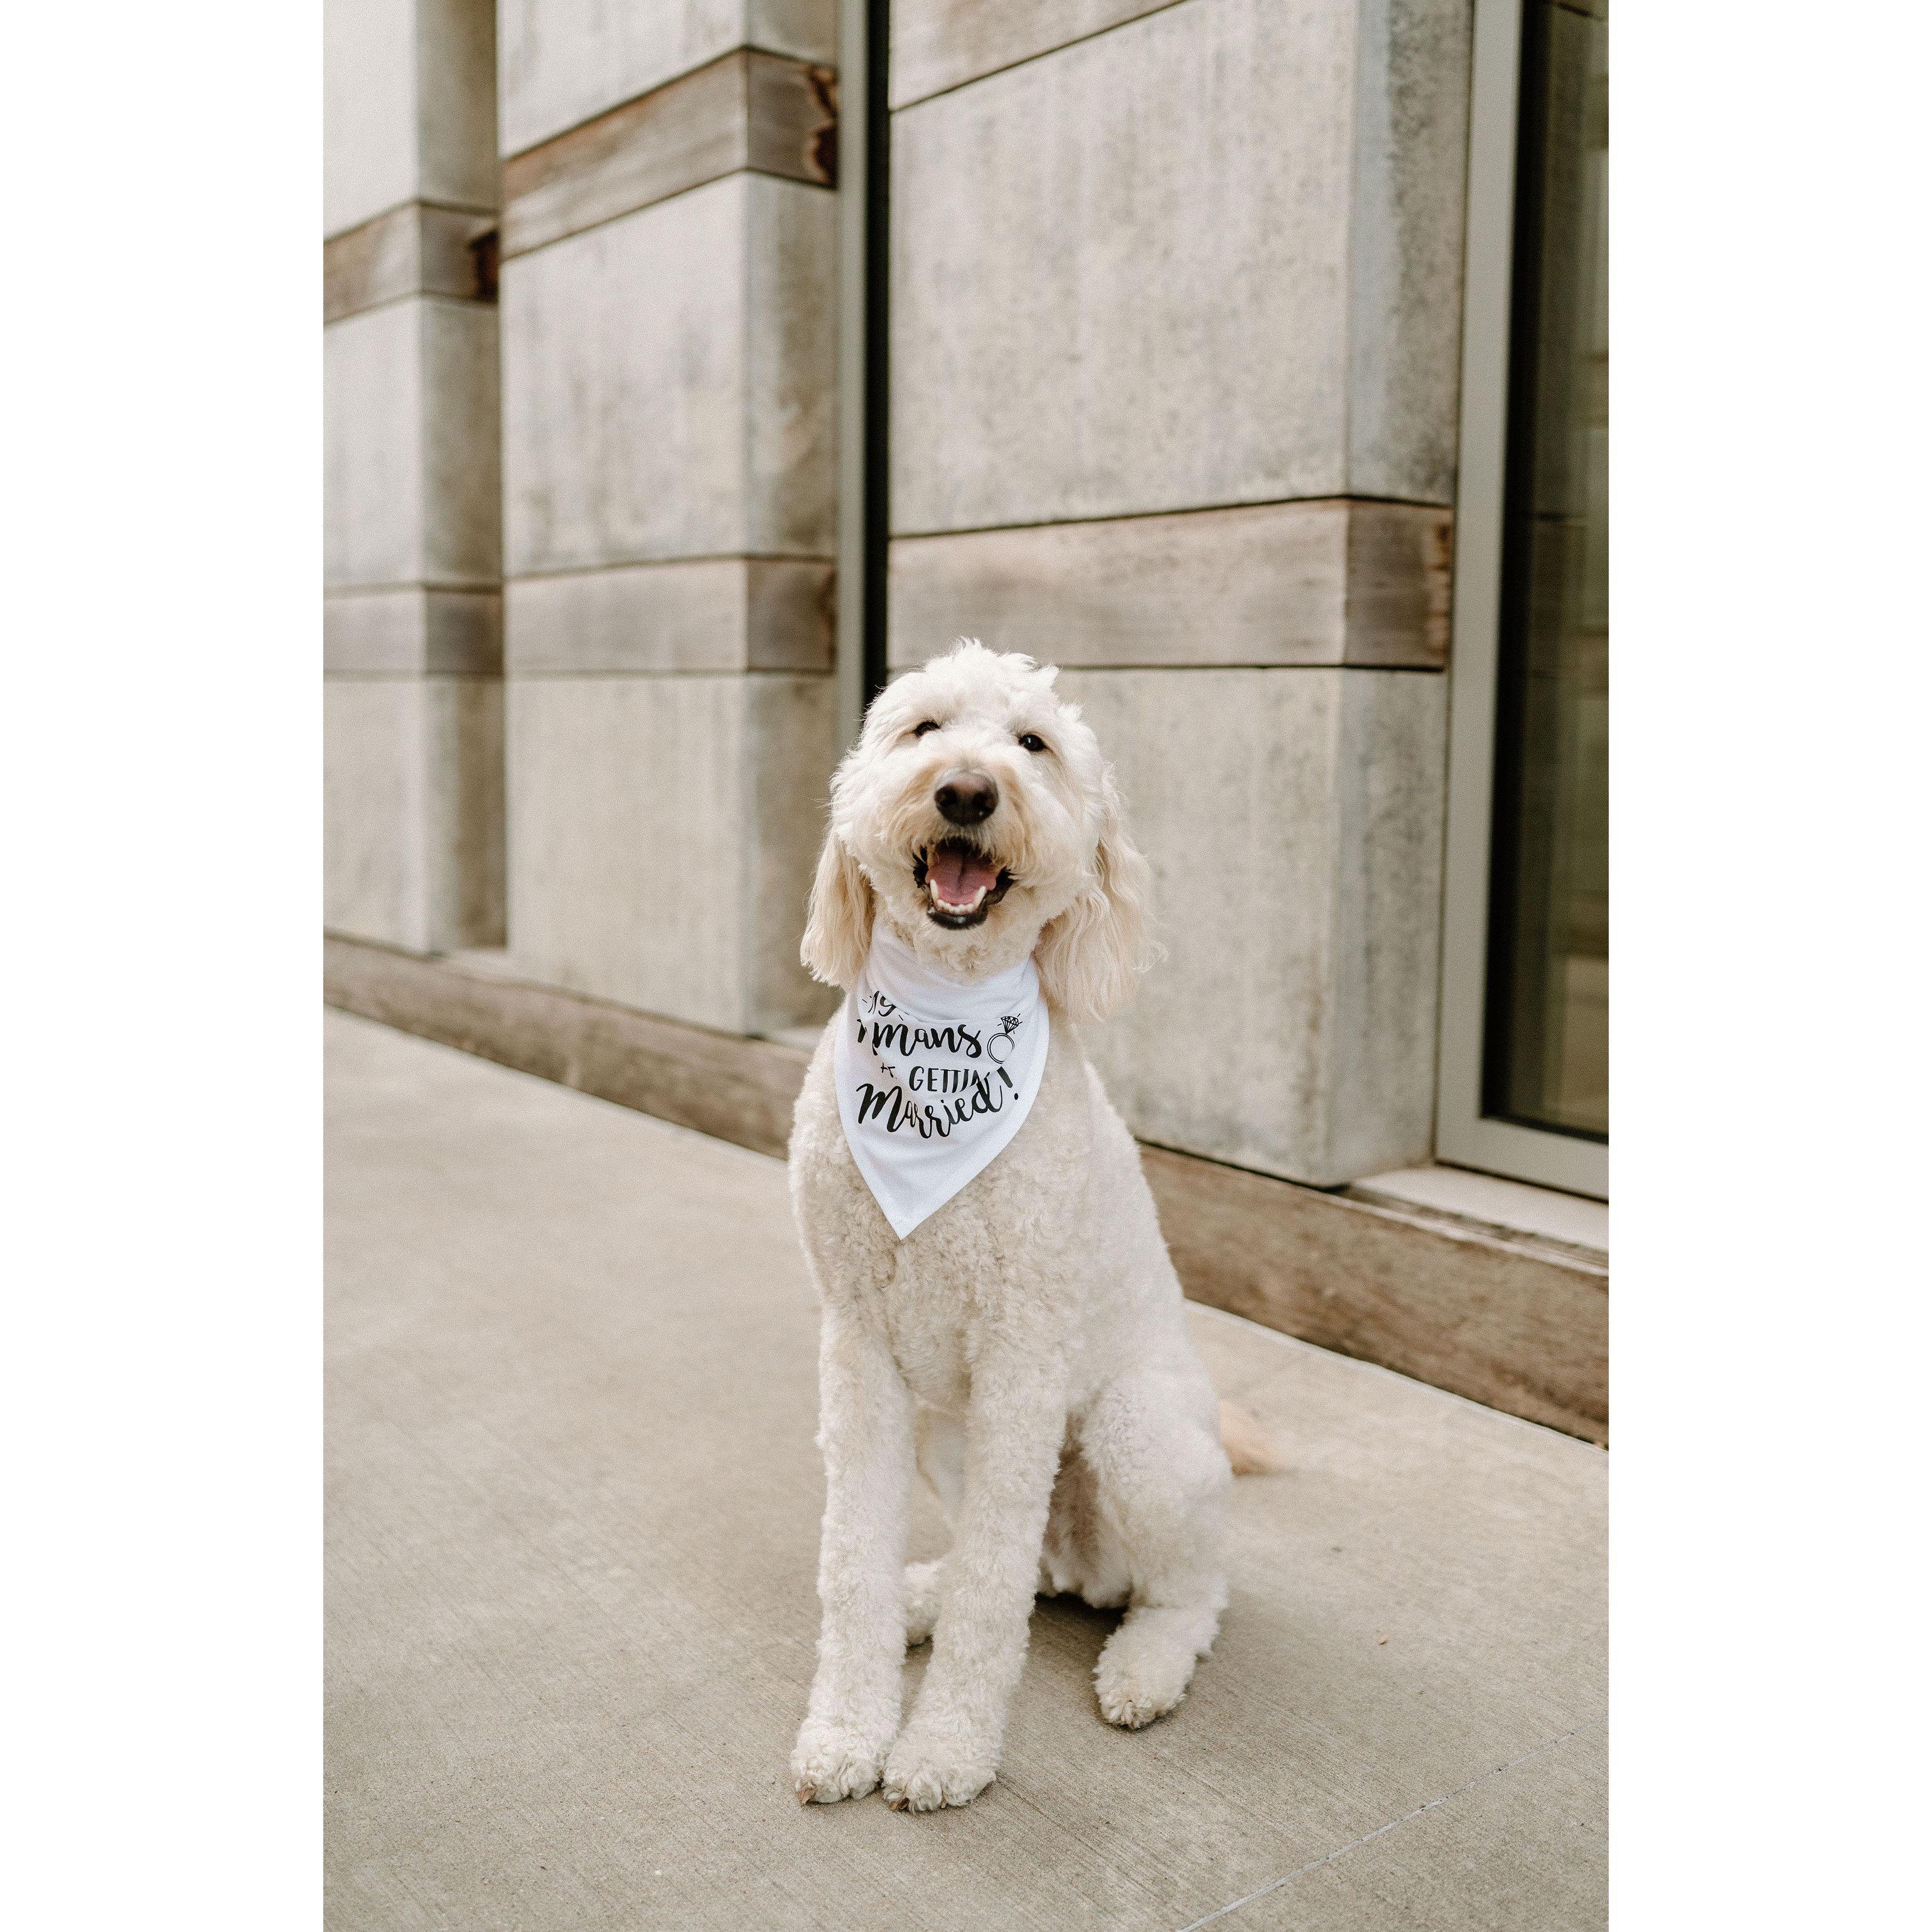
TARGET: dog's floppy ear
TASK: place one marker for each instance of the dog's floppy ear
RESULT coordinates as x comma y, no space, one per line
1090,957
839,928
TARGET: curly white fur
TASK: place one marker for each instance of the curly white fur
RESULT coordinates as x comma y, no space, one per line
1025,1346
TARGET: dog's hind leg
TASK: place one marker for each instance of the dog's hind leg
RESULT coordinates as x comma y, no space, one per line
941,1440
925,1591
1152,1442
1083,1554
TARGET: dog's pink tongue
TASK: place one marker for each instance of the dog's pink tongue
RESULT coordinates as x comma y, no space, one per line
957,876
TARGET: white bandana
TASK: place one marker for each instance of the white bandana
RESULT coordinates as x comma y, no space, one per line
934,1078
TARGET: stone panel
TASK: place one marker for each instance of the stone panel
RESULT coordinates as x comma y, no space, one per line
1293,819
1325,582
941,44
1385,921
369,109
410,445
564,62
413,772
1405,251
667,382
791,423
456,86
1211,256
372,787
663,832
372,438
1120,274
412,631
463,493
713,614
408,106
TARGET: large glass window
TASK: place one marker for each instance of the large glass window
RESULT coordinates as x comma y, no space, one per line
1546,1050
1525,1086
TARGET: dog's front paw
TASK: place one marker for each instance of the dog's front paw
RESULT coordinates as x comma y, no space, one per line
1145,1668
833,1760
928,1769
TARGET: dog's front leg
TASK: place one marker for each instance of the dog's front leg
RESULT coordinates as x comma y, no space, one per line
1015,1420
865,1431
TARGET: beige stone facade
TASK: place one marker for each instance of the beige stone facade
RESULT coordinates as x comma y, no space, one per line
1175,302
413,711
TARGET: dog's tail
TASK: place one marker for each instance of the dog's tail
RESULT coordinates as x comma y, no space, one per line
1251,1449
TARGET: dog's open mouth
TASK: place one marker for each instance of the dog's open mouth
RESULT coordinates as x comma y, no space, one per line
962,883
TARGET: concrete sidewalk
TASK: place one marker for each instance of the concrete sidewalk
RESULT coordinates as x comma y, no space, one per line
574,1504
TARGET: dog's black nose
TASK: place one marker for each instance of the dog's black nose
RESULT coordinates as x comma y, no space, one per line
966,797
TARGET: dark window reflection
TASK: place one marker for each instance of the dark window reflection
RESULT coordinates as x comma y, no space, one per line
1546,1045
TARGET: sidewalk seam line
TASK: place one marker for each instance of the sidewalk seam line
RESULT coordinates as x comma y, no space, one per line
1234,1905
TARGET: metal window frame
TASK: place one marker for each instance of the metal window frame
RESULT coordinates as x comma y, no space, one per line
1465,1136
864,182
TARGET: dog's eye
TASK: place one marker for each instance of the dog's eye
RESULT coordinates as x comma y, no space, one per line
920,731
1030,742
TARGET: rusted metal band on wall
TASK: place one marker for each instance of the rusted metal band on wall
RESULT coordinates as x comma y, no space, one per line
421,248
1333,581
747,110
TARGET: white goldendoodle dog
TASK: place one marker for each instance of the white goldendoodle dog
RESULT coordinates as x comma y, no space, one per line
1024,1343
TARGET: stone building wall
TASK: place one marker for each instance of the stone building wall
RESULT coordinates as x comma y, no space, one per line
1174,293
412,710
670,495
